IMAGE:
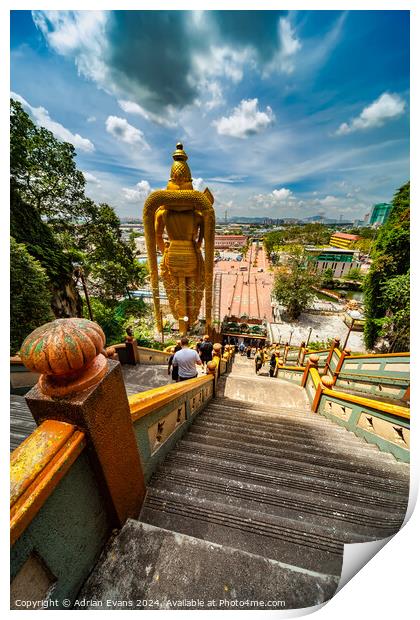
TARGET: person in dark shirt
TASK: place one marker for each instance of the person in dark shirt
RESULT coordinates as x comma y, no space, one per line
171,367
206,350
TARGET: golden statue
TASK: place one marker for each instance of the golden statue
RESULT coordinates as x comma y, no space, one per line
187,216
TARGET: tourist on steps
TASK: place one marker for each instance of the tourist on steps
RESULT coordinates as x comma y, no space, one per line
273,364
206,351
186,360
259,360
174,369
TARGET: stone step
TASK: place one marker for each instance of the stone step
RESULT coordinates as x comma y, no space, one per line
269,417
325,454
153,568
316,424
285,540
309,470
240,404
278,426
333,515
259,407
237,470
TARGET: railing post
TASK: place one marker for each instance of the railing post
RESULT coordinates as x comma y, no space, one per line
132,351
324,382
286,351
334,345
217,352
312,363
345,353
79,385
301,354
212,370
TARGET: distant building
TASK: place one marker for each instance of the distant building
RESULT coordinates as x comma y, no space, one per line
343,240
338,259
226,242
380,214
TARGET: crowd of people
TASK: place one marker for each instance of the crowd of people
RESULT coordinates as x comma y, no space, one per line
186,359
261,356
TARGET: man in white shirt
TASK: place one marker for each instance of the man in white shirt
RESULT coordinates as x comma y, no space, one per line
186,360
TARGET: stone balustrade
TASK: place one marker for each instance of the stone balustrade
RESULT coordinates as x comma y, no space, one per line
83,471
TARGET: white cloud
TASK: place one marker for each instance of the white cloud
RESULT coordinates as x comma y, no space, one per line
282,194
290,45
42,118
91,119
282,197
198,184
383,109
139,193
245,121
90,178
122,130
77,33
131,107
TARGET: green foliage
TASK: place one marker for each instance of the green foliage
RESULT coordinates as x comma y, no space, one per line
354,274
308,234
396,325
293,285
44,168
115,317
60,225
327,278
390,258
27,227
30,297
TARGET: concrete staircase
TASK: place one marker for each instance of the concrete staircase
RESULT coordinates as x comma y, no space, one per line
255,502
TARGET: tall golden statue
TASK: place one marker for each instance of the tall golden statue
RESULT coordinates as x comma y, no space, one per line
187,217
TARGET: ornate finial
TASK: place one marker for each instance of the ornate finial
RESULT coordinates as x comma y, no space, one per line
69,354
328,382
180,172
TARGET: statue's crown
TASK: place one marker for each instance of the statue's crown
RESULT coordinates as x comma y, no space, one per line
180,171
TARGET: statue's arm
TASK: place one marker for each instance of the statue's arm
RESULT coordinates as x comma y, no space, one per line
160,227
200,232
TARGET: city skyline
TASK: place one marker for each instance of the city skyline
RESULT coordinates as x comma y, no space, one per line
282,114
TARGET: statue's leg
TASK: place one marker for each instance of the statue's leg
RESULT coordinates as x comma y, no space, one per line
182,305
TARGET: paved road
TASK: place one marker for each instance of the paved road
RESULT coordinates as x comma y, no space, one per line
245,289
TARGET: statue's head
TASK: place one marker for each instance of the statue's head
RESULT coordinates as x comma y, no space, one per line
180,171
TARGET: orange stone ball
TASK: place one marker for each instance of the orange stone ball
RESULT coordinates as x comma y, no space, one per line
63,346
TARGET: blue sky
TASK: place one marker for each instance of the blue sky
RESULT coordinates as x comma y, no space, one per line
282,113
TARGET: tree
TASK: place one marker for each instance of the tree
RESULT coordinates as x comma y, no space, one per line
43,169
60,225
327,278
354,274
396,324
390,258
26,226
293,285
30,297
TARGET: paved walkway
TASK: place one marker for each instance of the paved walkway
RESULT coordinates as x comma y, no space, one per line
323,327
246,285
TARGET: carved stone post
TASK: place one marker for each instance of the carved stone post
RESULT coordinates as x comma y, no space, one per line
345,353
301,354
131,349
334,345
79,385
326,382
217,353
312,363
212,370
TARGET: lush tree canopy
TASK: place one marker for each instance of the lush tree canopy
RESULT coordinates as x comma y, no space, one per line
310,234
384,305
61,227
293,284
30,296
